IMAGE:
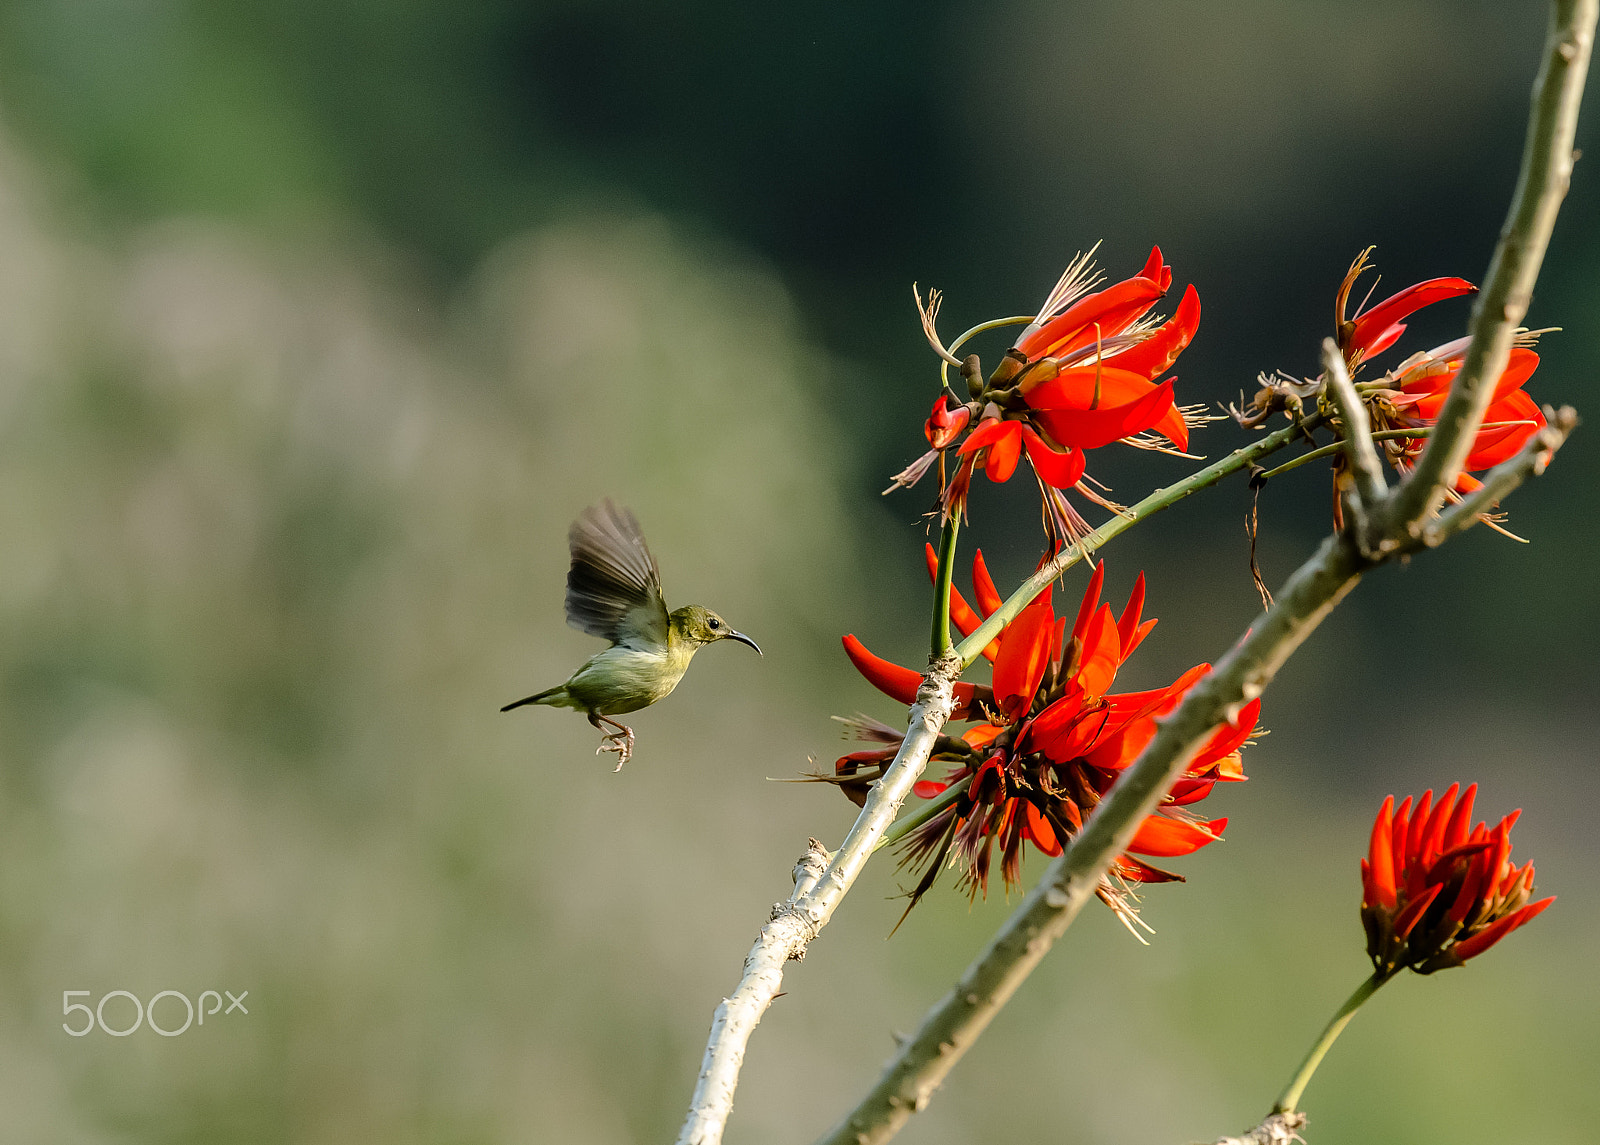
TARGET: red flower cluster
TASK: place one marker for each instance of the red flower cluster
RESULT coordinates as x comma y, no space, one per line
1050,741
1080,377
1422,382
1436,892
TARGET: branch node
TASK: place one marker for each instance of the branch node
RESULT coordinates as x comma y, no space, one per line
1277,1129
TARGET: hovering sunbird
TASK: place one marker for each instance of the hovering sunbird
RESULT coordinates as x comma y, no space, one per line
614,591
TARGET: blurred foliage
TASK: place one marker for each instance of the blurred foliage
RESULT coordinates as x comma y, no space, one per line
318,322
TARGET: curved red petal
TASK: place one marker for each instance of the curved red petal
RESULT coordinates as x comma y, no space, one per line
1093,428
1455,832
1161,837
1492,446
1187,791
1374,324
1024,655
1004,455
1226,740
1039,830
890,679
1380,857
1434,834
1102,654
1063,470
1478,943
1090,602
988,432
1056,720
1408,918
1132,612
1156,353
928,788
1115,308
983,586
1075,388
1153,265
1118,749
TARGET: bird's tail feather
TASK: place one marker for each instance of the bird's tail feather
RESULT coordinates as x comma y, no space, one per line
543,697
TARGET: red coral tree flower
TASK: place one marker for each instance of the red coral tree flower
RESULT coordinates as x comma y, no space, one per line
1049,743
1081,376
1436,891
1406,405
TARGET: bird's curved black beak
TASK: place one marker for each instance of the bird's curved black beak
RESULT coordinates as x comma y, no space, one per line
743,639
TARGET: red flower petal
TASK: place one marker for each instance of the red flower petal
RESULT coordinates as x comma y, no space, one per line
928,788
1187,791
1090,602
1004,454
1102,654
1460,824
1153,266
1226,740
1024,655
1128,622
1156,354
1433,835
989,431
1492,446
1382,861
901,683
1115,309
1162,837
891,679
1083,428
1373,330
1487,937
1072,737
1063,470
981,735
1056,718
1408,918
983,586
1040,831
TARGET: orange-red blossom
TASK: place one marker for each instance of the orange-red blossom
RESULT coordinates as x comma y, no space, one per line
1051,740
1436,891
1419,385
1080,377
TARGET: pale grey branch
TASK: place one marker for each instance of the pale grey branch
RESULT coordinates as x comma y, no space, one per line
1356,427
797,920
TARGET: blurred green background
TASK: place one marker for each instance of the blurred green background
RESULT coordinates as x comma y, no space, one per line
319,322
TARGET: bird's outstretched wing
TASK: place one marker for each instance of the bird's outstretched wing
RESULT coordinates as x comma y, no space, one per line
614,586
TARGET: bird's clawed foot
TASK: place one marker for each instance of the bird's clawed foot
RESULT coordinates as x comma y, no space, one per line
619,741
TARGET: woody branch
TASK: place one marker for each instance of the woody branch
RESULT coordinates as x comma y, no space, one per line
796,921
1398,523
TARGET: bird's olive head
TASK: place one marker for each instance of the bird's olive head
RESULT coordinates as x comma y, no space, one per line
703,626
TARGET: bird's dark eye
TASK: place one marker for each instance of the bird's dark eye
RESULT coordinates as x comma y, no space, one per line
713,623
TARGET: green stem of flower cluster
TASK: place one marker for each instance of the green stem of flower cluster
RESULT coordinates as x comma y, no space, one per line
1330,450
941,586
1297,1084
928,810
972,647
